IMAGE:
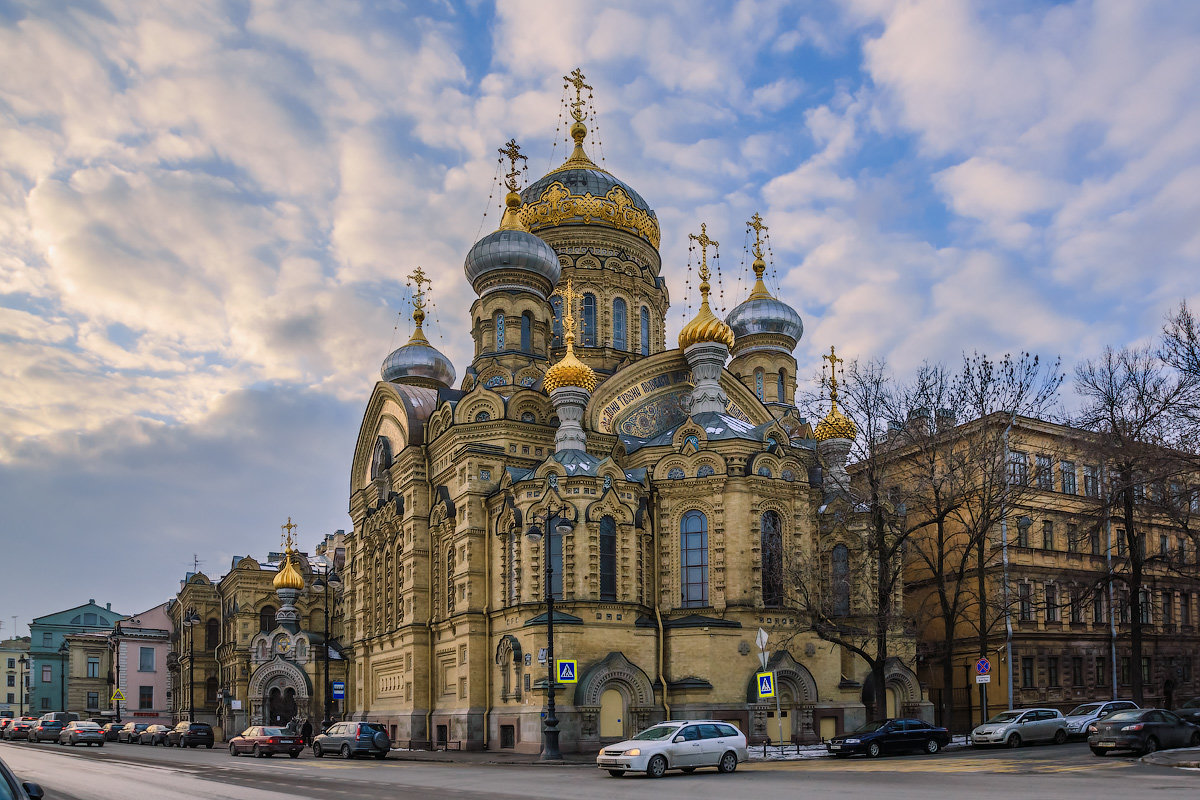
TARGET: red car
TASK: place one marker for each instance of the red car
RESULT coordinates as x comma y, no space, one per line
262,741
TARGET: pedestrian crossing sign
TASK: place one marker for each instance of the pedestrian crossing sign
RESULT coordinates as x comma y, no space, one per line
117,696
766,684
568,670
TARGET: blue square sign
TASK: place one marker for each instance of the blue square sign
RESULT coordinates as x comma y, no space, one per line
338,690
568,670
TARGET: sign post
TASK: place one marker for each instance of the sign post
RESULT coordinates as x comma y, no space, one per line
761,640
983,676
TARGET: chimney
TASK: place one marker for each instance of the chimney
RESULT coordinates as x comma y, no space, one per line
91,601
108,606
945,419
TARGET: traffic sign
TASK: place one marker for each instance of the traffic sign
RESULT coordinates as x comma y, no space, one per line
766,684
568,670
117,696
761,641
983,678
983,667
339,690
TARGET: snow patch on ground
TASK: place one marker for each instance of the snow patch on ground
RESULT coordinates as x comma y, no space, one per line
804,752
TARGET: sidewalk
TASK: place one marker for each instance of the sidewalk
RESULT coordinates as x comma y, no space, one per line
1186,757
493,757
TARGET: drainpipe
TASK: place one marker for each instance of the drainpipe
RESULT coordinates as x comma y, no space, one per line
1112,608
1008,656
429,618
487,633
651,511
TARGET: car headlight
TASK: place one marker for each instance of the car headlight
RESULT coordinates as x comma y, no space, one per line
853,741
637,751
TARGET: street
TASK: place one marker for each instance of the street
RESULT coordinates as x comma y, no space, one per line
118,772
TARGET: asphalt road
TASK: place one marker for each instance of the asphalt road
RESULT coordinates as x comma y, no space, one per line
121,772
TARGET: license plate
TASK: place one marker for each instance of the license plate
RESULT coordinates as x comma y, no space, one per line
287,741
1106,744
835,747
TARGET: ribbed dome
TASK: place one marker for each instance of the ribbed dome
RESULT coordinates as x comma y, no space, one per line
705,327
569,371
288,576
418,362
836,425
511,249
765,315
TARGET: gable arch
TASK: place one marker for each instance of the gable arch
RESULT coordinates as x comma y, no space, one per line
788,672
614,668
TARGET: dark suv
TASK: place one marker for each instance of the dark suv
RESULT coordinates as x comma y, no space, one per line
349,739
191,734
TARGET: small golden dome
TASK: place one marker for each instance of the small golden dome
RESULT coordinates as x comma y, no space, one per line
705,326
288,576
836,425
569,371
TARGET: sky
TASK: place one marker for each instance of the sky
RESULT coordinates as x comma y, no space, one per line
208,210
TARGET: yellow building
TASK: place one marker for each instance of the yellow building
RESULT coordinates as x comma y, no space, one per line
15,693
89,675
677,491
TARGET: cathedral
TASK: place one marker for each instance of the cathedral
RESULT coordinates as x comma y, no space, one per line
676,481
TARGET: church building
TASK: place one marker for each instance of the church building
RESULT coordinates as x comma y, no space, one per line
676,480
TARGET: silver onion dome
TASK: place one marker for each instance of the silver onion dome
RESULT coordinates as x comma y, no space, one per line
511,249
418,363
765,315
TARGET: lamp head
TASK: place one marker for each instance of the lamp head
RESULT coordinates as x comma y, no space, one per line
563,526
64,648
534,533
333,580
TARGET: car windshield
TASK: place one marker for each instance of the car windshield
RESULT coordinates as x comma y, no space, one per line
1124,716
1084,710
871,727
1193,703
272,732
655,733
1007,716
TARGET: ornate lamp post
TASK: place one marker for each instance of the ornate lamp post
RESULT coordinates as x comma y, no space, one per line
562,527
327,583
23,660
190,620
63,652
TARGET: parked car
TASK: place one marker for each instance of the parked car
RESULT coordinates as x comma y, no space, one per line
88,733
1142,730
1190,711
11,786
1081,716
132,730
154,734
191,734
1020,726
112,730
349,739
4,723
263,741
685,745
45,730
19,728
61,716
890,736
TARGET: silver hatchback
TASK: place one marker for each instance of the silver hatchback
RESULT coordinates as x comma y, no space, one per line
681,744
1021,726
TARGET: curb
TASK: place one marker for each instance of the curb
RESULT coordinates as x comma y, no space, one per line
1185,757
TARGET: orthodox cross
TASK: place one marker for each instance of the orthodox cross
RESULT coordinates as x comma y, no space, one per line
834,361
756,224
576,79
288,533
704,241
568,298
512,151
421,281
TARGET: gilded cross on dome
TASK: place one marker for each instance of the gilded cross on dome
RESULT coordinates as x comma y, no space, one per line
421,282
756,224
287,534
704,241
512,151
834,361
577,79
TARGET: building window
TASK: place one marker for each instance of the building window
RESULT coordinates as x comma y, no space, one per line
1077,670
47,640
620,325
1094,541
693,530
556,305
1047,535
1067,469
1027,672
771,540
1168,608
1072,538
1125,674
840,574
266,619
1121,542
12,680
526,332
499,331
1022,536
1185,608
47,673
1052,671
45,703
12,698
210,691
1018,468
589,320
93,666
1146,670
1163,547
145,659
1051,603
608,558
758,383
1091,481
145,697
779,388
556,559
1045,473
1076,607
1101,671
1025,601
1098,615
645,330
212,633
93,700
1144,606
12,663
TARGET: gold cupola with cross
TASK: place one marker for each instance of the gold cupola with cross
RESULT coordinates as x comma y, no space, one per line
835,425
288,577
418,363
705,326
569,370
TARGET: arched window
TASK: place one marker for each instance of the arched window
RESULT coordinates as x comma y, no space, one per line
210,691
526,332
212,634
620,337
589,320
779,391
556,325
772,560
499,331
693,535
758,383
556,559
645,330
381,457
840,580
608,558
266,619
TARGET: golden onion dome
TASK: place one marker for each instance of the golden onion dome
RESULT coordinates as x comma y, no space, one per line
288,576
836,425
569,371
705,326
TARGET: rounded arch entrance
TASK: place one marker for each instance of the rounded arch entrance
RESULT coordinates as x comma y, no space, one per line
791,718
615,699
279,693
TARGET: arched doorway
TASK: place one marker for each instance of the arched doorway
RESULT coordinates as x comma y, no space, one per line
612,714
780,722
279,692
281,705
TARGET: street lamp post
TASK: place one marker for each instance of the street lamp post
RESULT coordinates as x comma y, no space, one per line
190,620
550,751
329,581
23,660
63,651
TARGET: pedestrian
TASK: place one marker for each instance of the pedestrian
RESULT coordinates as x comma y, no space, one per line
306,733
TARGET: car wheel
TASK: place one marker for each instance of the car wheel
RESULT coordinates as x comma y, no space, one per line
657,767
688,770
293,753
932,746
1013,741
1195,740
233,750
617,773
317,751
99,744
345,751
257,751
381,756
1151,746
208,747
873,750
728,763
1096,751
1060,736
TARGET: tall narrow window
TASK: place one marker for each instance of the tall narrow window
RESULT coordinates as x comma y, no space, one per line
772,560
499,331
758,383
589,320
556,325
608,558
645,330
693,530
1047,535
556,559
839,584
266,618
514,570
526,332
1018,468
450,579
779,390
620,325
212,633
1067,468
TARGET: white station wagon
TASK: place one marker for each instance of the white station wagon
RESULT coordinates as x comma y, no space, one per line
679,744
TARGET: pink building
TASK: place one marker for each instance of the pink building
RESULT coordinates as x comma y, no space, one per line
140,646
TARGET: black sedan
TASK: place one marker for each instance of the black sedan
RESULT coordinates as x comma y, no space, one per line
1142,730
889,736
112,730
1190,711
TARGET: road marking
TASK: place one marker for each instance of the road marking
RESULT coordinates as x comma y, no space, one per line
945,765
